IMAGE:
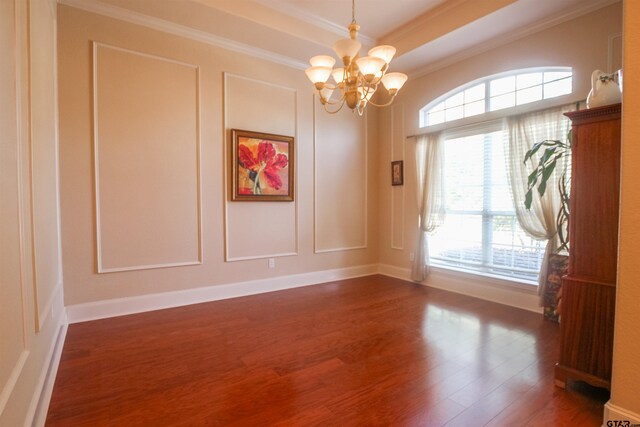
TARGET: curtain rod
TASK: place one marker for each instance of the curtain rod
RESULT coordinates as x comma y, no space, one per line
577,103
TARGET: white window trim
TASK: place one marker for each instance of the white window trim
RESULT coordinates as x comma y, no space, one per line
492,115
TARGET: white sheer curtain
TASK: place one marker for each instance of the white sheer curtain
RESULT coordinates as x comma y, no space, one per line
430,197
539,222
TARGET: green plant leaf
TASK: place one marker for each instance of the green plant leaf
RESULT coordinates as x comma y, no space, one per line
528,198
533,177
542,188
561,155
550,142
533,150
547,154
530,154
546,174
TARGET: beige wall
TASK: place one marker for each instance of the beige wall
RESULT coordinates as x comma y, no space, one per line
625,387
182,232
31,315
583,43
162,183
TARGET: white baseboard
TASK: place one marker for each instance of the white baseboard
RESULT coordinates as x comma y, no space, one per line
394,271
138,304
487,288
39,406
616,413
483,287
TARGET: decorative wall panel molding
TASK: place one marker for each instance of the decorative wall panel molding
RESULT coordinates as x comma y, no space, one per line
614,60
12,379
44,174
397,192
15,231
146,112
255,230
340,146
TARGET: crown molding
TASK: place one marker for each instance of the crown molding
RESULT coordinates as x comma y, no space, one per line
94,6
108,10
511,37
420,21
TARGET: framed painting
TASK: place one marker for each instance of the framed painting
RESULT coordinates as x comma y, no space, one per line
262,166
397,172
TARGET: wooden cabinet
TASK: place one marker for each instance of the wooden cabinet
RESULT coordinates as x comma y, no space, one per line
588,289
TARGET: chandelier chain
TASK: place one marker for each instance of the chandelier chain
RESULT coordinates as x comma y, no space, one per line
353,10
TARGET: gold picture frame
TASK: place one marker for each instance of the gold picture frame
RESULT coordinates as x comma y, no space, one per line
262,166
397,172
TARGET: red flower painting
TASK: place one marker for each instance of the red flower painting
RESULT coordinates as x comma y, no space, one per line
263,164
262,167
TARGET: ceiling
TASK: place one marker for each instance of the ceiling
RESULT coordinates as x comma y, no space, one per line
428,34
367,12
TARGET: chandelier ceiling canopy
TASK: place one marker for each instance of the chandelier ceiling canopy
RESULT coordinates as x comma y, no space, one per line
358,78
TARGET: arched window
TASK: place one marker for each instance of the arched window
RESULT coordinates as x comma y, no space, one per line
498,92
481,233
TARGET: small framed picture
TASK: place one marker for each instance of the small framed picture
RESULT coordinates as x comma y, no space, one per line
261,166
397,172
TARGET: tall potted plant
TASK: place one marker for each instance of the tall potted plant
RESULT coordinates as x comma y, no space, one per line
555,155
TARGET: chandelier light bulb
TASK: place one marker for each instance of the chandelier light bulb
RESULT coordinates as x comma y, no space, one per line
394,81
384,52
347,49
370,65
326,93
322,61
338,75
318,74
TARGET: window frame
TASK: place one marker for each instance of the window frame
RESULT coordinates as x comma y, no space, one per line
486,214
488,113
483,123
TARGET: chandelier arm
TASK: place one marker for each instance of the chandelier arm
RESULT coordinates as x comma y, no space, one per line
335,111
371,87
331,102
336,102
383,105
376,81
328,102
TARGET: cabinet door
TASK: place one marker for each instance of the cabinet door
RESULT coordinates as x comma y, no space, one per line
595,184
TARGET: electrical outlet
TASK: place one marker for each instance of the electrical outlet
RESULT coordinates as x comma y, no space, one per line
272,263
411,256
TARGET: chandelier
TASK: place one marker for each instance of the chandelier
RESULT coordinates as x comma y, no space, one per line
359,78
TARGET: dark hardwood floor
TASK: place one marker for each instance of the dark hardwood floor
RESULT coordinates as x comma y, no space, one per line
367,351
